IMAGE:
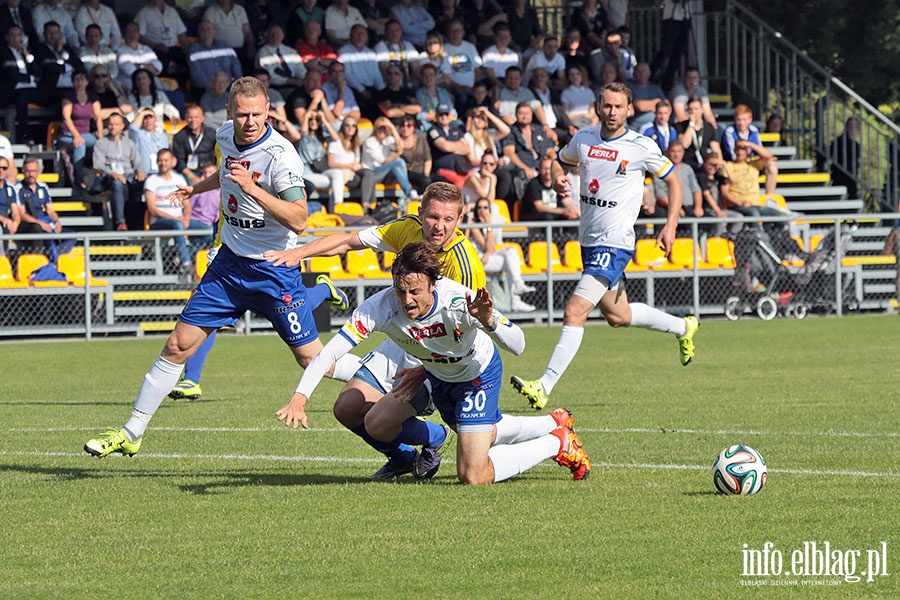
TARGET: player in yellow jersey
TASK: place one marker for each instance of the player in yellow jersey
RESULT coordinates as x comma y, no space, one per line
440,214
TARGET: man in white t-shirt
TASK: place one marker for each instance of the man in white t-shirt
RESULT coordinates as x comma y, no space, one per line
613,162
463,59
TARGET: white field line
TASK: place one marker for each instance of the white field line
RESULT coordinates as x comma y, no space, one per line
335,459
830,433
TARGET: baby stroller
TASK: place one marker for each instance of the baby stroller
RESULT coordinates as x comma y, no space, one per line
815,283
761,283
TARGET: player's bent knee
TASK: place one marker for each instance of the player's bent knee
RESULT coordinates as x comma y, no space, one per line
615,320
473,476
350,408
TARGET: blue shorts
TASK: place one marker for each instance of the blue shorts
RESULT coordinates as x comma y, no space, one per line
470,406
606,261
233,285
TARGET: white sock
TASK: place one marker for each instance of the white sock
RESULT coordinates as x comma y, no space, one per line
513,430
346,367
157,384
647,317
512,459
565,351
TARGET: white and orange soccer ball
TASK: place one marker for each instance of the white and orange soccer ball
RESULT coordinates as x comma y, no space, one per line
739,470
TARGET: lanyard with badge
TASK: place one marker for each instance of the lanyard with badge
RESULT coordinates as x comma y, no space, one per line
193,161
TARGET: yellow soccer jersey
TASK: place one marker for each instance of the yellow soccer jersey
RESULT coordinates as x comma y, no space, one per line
459,260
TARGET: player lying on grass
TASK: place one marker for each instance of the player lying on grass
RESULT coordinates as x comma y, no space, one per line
612,162
263,206
453,331
437,224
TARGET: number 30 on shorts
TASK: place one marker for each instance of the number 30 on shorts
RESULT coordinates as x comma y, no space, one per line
476,401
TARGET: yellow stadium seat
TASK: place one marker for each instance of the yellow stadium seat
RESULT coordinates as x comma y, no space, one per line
814,241
330,265
632,267
572,255
201,263
503,210
769,199
364,263
349,208
682,255
648,254
537,258
7,281
526,268
73,266
720,251
28,263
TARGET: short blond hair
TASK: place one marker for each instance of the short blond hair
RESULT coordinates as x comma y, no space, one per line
248,87
440,191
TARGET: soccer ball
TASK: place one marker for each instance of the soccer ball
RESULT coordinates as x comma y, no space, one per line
739,470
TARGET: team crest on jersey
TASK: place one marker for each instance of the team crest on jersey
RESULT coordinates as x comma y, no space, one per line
255,176
457,301
274,150
230,161
286,298
622,167
603,153
594,186
232,204
476,382
362,329
430,331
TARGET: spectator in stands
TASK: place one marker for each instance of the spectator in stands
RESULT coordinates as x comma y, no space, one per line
340,17
394,51
316,122
573,53
551,61
845,154
609,54
112,97
697,135
92,12
315,52
36,211
361,70
742,195
744,129
511,94
77,131
133,55
449,10
395,101
646,96
381,154
578,99
449,149
435,55
690,88
10,175
214,101
481,182
208,56
163,30
205,206
233,28
712,184
304,13
608,74
590,20
261,14
283,64
525,147
193,145
430,95
692,195
775,124
479,18
14,14
9,207
94,53
527,35
148,139
340,98
144,94
50,10
479,98
627,53
276,100
676,31
500,57
541,202
312,86
415,151
484,130
415,20
660,131
19,76
344,154
166,214
463,59
59,61
497,257
376,15
116,157
554,114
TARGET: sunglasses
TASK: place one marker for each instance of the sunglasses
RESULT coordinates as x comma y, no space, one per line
488,164
482,207
350,125
407,124
3,168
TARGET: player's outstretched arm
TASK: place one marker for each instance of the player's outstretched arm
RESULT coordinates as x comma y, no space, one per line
561,182
329,245
506,334
184,192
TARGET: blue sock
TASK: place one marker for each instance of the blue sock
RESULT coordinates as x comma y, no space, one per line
390,449
317,294
436,434
193,368
417,432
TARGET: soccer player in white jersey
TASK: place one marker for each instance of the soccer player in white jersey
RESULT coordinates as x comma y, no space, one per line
453,331
263,206
612,161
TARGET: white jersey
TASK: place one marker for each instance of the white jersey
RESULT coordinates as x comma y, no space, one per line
448,340
612,175
245,227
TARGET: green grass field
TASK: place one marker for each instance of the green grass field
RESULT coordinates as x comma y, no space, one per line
222,501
